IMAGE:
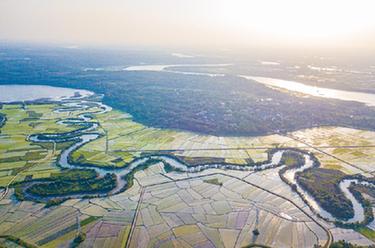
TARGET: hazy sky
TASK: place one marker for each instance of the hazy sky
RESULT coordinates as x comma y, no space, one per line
179,23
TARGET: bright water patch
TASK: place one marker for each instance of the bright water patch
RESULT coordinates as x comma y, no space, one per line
18,93
366,98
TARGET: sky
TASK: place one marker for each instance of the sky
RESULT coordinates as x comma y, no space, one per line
221,24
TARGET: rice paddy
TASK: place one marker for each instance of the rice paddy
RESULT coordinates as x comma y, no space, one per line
20,158
212,208
171,211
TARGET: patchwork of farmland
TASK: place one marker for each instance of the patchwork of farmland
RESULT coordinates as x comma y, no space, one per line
127,139
192,212
179,209
355,147
212,208
20,158
353,150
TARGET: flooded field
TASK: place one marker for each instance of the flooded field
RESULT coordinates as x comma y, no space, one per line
234,186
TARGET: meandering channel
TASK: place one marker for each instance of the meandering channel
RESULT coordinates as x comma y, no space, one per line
86,134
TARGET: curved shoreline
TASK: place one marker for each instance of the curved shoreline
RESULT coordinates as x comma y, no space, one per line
30,93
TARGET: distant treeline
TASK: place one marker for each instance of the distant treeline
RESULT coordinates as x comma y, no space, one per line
229,105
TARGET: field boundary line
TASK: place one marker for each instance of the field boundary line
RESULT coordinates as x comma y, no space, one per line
134,222
328,232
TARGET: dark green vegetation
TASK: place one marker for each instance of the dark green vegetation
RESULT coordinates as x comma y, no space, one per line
29,156
256,232
17,241
78,239
226,105
201,160
223,106
74,175
61,187
32,116
367,232
59,146
54,202
129,178
344,244
66,136
89,220
168,168
366,190
292,159
323,185
256,246
214,181
366,195
369,216
74,181
2,119
70,228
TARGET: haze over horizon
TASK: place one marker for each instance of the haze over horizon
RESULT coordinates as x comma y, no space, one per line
195,123
214,24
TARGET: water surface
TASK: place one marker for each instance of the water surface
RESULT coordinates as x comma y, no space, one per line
366,98
18,93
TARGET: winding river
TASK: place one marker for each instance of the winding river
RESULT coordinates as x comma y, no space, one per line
344,185
85,136
87,133
292,86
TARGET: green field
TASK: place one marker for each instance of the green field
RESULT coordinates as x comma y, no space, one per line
128,139
20,158
123,140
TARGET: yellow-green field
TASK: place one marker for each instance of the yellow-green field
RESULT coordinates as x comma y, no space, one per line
107,221
359,150
128,139
19,157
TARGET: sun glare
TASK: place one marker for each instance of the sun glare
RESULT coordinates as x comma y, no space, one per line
299,19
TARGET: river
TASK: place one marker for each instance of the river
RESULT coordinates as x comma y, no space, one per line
366,98
164,68
293,86
177,165
88,134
